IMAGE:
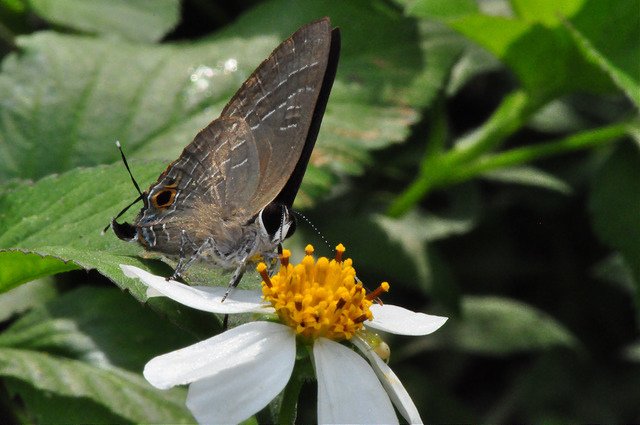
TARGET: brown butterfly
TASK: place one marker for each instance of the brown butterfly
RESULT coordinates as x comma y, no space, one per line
227,199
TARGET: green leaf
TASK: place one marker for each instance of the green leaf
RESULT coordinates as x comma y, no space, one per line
25,297
520,44
19,267
445,49
558,116
530,176
101,326
598,20
615,270
104,328
500,326
59,89
124,393
632,352
62,217
537,32
15,6
615,205
544,11
441,9
49,408
634,132
138,20
624,81
414,229
474,61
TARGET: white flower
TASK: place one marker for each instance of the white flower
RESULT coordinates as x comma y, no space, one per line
237,373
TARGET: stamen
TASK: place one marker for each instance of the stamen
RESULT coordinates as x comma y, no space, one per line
318,298
308,249
284,257
262,269
340,249
384,287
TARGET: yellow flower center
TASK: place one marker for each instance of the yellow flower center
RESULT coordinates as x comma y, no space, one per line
319,298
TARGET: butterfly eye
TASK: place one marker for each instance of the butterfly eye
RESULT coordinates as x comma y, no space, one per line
164,198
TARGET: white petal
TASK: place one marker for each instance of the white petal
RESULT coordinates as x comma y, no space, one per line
250,377
399,395
205,298
252,344
400,321
348,390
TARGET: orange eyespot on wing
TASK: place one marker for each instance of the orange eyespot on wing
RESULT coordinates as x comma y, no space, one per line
164,198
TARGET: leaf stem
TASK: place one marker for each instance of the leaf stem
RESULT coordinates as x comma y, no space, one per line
470,156
519,156
433,151
512,113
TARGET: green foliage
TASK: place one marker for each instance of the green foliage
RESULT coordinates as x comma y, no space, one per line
61,217
59,89
79,346
537,47
19,267
459,145
499,326
615,205
123,392
137,20
26,297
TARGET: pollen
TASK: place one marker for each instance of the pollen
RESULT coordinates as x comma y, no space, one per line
319,298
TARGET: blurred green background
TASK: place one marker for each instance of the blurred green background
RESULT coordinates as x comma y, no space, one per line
483,157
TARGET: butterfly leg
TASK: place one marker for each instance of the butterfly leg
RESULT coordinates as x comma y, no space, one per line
184,263
235,280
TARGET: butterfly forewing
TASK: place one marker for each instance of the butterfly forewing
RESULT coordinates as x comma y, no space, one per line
277,102
218,167
212,180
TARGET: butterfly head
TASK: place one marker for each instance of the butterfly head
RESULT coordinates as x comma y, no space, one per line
124,231
276,222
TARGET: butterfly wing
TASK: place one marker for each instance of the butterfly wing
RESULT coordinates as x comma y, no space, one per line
290,190
204,187
242,161
278,101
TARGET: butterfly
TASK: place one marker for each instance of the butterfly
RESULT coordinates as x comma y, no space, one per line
227,200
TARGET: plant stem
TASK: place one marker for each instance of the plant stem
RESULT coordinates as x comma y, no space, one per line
289,405
519,156
511,115
470,157
433,151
